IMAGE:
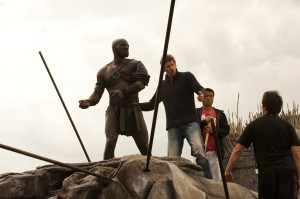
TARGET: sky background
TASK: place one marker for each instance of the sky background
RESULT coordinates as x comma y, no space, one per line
232,46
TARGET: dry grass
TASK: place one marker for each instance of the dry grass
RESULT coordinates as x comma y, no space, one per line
237,126
292,116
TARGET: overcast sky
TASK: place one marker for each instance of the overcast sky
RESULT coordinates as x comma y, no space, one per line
232,46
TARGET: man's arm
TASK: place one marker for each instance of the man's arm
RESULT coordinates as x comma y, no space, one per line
117,95
197,88
133,88
224,127
296,156
97,94
200,96
140,78
149,106
235,155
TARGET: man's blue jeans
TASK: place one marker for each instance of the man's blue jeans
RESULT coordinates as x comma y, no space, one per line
192,133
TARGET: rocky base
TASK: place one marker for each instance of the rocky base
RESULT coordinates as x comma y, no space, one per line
168,178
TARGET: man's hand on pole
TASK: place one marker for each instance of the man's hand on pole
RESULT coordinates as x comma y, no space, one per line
208,128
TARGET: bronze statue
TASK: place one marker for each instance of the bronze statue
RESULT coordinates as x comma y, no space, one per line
123,78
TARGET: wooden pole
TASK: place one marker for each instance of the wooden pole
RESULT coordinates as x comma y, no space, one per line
103,178
219,157
65,107
159,83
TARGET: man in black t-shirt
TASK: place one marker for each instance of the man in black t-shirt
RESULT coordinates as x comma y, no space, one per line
276,150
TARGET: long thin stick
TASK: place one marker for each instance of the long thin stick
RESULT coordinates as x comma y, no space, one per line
206,140
159,83
219,157
63,103
105,179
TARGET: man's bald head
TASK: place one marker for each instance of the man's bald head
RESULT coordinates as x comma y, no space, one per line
117,42
120,48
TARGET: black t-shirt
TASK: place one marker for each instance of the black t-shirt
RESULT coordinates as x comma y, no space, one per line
272,138
178,99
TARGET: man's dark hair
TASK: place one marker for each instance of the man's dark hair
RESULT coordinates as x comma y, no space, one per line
168,58
272,102
210,90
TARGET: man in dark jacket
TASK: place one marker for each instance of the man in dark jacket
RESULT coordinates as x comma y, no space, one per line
205,114
177,95
276,150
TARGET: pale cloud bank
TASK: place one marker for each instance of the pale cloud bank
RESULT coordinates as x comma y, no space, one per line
244,47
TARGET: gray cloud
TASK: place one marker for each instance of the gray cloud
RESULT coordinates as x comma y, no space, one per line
233,46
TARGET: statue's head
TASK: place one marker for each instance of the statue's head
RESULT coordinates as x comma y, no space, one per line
120,48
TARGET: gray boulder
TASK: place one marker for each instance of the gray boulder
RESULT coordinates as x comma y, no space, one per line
168,178
244,170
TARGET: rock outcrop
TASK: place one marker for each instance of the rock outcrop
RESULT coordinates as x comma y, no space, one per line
169,178
244,170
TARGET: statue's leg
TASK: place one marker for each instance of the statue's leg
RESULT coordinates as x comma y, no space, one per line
141,137
111,132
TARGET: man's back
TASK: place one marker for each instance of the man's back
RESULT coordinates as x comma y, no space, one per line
276,149
272,139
